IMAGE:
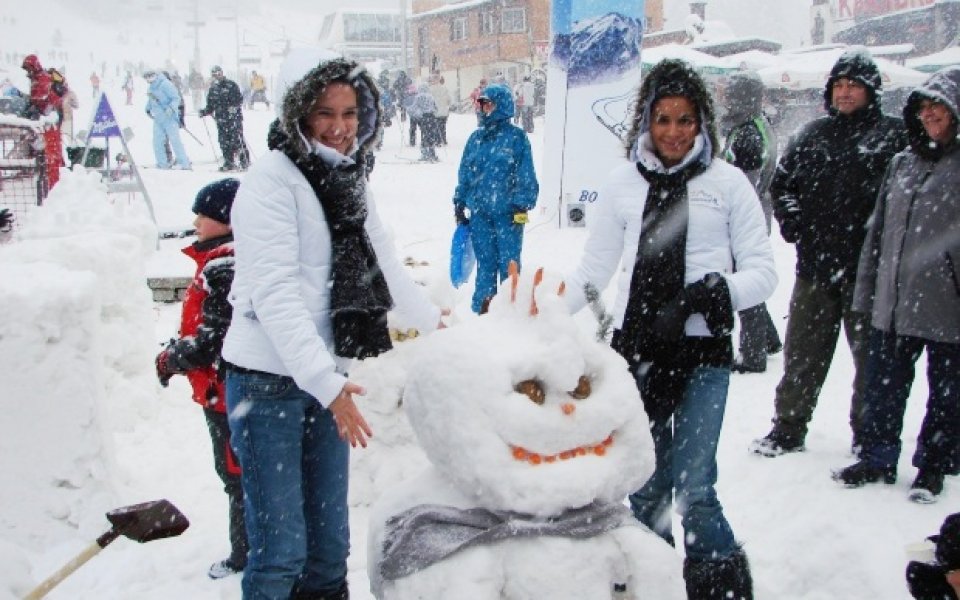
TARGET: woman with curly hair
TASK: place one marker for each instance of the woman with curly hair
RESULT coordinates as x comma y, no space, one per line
678,220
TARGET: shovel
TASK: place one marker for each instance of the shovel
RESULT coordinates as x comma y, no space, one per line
143,522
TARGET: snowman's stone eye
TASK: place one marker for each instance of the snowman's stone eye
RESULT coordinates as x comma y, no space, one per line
582,390
531,388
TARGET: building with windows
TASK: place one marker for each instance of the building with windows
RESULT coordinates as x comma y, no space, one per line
364,35
467,40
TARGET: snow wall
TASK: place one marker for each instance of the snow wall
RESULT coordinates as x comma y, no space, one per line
76,364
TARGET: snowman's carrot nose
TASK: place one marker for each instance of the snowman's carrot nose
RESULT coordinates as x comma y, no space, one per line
568,408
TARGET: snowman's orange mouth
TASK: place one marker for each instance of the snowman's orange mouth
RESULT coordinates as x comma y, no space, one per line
534,458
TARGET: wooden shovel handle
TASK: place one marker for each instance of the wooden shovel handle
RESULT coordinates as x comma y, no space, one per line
78,561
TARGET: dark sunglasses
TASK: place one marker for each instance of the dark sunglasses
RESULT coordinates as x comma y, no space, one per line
484,101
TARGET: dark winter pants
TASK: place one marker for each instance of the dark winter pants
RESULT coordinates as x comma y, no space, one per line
816,313
758,334
429,135
230,137
890,373
228,468
414,123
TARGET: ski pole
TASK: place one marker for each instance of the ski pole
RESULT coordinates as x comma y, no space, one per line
213,146
196,139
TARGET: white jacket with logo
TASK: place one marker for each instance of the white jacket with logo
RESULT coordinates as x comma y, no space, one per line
726,234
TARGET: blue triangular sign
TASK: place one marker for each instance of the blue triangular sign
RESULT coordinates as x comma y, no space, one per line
104,123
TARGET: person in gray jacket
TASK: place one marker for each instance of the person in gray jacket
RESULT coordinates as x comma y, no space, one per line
909,282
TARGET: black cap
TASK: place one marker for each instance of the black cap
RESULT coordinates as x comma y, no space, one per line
216,69
215,199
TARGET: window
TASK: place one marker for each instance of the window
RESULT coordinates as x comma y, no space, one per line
514,20
458,28
371,28
488,23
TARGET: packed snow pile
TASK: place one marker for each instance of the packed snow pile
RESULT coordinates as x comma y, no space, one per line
535,434
76,363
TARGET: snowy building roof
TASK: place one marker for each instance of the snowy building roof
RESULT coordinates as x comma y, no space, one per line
449,8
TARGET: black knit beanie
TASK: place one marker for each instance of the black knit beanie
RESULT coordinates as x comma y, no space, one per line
215,199
948,542
856,64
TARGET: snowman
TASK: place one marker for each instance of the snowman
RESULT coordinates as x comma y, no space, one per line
535,434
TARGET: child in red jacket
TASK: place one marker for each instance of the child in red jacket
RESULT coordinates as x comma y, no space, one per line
203,323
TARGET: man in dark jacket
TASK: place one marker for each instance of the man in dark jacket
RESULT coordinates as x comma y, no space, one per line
908,281
751,146
823,192
224,102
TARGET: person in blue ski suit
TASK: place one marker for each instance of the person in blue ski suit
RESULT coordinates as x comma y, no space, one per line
496,187
163,106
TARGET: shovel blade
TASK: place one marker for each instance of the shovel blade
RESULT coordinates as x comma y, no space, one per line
148,521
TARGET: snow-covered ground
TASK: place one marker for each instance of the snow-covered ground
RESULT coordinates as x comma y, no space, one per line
86,427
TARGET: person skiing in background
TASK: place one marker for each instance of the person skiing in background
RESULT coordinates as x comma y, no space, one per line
423,110
196,84
204,319
823,192
95,84
441,95
751,146
258,90
128,88
46,104
527,91
163,106
225,103
496,186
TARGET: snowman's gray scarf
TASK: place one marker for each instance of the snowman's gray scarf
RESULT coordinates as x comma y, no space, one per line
428,533
359,296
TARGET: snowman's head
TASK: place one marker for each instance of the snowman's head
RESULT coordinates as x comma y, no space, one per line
523,411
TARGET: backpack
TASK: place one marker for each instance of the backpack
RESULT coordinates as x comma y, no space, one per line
58,83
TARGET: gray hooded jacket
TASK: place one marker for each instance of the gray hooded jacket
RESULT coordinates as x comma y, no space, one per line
909,273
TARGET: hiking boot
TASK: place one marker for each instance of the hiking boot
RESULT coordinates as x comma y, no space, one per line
777,442
927,486
774,348
224,568
862,473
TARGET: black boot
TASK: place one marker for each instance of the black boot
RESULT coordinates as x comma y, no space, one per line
725,578
341,593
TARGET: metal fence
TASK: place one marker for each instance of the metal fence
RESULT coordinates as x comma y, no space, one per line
23,179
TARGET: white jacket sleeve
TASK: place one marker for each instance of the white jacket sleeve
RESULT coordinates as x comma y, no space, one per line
268,241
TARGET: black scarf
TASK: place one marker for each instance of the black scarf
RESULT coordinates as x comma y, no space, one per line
359,297
658,276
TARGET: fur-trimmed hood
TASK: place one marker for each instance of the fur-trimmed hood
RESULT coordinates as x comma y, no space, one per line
673,77
943,87
304,83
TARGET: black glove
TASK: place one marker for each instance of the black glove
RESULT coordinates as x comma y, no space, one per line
790,231
6,219
460,214
711,297
928,581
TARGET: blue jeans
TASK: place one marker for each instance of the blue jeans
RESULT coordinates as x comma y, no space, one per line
496,241
295,469
890,373
686,452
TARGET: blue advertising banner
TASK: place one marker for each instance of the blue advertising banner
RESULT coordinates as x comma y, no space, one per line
593,74
104,123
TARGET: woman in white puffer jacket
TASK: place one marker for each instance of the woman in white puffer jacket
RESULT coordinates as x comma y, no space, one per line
687,234
316,274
